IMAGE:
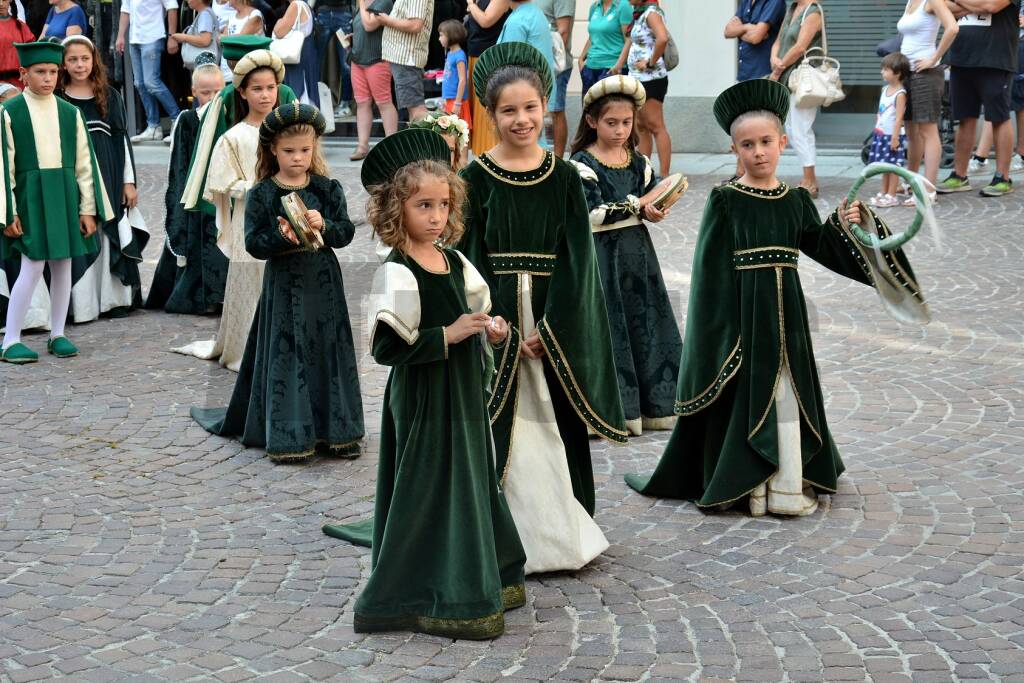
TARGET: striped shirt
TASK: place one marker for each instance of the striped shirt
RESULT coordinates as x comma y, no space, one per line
408,49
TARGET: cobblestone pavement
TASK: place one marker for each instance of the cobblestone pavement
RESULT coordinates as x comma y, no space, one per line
135,545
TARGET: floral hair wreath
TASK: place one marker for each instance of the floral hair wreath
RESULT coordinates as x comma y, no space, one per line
445,124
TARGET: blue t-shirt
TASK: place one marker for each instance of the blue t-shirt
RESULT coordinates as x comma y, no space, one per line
527,24
755,61
57,23
605,31
450,84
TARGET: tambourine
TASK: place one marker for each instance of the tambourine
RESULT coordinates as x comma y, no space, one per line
295,212
896,240
669,191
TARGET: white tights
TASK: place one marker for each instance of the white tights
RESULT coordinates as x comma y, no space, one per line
21,297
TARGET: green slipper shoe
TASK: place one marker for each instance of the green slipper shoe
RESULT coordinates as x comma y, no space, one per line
61,347
19,354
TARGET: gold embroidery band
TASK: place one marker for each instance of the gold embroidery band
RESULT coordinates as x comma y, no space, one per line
541,265
505,373
572,388
705,398
765,257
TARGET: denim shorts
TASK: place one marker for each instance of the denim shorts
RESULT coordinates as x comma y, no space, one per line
557,101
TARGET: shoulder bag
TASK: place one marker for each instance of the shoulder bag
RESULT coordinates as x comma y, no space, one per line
815,82
289,48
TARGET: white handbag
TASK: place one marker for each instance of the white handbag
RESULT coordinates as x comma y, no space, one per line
289,48
562,60
815,82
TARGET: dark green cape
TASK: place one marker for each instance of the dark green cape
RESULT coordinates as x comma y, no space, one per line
198,286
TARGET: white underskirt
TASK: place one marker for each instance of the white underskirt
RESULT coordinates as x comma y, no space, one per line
556,531
784,493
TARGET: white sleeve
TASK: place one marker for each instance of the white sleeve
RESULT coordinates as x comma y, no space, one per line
395,300
129,169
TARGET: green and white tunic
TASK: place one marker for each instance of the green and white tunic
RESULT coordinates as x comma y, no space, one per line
49,180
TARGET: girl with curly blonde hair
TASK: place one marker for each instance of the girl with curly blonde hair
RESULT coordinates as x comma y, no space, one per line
447,559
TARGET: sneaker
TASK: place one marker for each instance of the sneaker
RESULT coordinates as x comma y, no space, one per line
912,200
998,187
952,184
977,166
885,201
341,111
1017,164
167,139
149,135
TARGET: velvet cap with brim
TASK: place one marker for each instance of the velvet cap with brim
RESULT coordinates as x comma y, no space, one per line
43,52
236,47
403,148
759,94
291,114
510,54
256,60
616,85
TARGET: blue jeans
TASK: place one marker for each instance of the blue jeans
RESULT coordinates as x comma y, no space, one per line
329,20
152,91
591,76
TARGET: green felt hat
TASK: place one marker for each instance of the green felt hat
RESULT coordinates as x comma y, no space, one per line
755,95
236,47
510,54
43,52
400,149
292,114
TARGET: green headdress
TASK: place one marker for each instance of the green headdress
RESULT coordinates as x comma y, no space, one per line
43,52
510,54
400,149
755,95
291,114
236,47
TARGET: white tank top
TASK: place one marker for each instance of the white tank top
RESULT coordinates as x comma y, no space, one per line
886,120
919,30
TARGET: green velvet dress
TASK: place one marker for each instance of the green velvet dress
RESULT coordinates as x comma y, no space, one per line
645,335
447,559
528,233
747,358
298,385
197,286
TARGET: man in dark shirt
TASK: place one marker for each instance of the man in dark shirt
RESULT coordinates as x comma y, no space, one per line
983,63
755,26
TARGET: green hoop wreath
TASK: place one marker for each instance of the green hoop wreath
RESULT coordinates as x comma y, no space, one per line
896,240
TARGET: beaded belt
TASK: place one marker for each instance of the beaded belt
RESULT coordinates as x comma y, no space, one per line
514,264
765,257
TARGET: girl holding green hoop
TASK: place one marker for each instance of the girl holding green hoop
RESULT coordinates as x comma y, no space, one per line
751,427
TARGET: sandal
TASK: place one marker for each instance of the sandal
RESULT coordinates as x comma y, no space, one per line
359,155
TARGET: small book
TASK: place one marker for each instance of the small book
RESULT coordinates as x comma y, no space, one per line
295,212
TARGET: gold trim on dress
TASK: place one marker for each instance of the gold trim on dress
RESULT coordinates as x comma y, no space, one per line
624,164
766,265
486,160
560,358
782,354
285,186
778,193
719,380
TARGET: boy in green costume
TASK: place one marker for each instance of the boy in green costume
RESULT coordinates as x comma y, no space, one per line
52,196
219,115
751,426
